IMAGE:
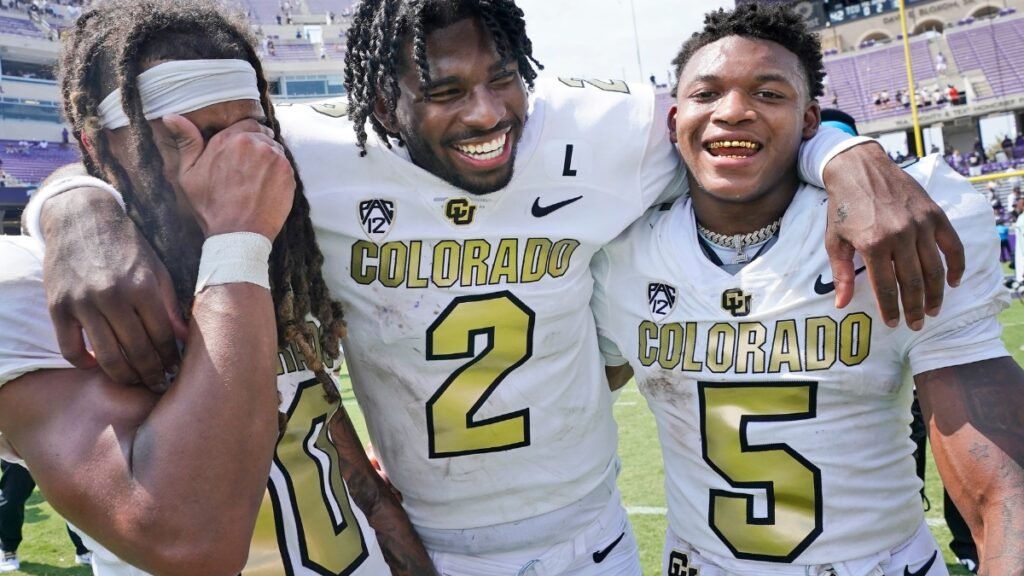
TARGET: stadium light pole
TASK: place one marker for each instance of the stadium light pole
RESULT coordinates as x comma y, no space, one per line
918,144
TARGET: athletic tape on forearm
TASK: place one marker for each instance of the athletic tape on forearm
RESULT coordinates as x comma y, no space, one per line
233,258
34,210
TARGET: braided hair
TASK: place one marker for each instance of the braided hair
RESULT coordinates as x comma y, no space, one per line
380,29
107,49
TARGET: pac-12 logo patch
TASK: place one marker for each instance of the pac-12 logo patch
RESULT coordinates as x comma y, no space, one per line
376,217
661,298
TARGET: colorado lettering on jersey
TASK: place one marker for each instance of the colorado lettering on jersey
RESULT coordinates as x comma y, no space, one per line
754,348
416,264
290,359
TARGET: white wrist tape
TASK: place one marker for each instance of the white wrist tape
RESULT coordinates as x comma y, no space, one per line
841,147
234,258
34,210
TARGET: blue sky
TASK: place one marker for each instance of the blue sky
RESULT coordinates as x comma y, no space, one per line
594,38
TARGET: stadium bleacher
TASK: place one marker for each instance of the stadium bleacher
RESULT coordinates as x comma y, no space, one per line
994,47
263,11
854,78
19,26
31,164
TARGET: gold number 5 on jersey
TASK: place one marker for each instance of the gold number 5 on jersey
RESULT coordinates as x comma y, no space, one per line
791,483
507,324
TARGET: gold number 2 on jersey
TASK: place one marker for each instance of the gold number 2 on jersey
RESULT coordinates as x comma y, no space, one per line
330,540
792,484
507,326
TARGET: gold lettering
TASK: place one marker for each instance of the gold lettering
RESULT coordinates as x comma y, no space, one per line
785,348
392,264
854,338
670,345
415,261
474,262
446,263
690,362
821,343
561,255
535,259
750,340
506,262
648,352
721,347
363,273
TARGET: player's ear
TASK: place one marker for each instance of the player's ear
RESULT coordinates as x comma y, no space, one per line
812,120
672,123
384,116
89,148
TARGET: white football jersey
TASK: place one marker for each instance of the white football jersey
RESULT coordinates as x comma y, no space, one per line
784,421
471,345
307,524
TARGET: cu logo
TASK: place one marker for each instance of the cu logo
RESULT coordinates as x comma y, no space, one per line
679,565
736,302
460,211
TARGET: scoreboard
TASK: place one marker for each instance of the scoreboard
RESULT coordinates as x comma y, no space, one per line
822,13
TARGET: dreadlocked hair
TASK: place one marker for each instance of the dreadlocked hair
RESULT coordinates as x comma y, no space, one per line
380,29
777,23
107,49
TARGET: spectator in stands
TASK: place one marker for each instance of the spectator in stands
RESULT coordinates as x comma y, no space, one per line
43,145
1007,145
3,178
974,163
270,48
876,98
1019,143
954,94
1011,198
940,63
885,97
957,159
278,19
64,136
980,150
298,33
905,99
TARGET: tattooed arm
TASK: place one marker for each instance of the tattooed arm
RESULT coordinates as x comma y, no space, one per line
977,431
399,542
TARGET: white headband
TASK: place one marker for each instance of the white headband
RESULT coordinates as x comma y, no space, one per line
183,86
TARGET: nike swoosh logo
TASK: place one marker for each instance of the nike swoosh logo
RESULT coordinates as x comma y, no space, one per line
823,288
924,569
541,211
600,555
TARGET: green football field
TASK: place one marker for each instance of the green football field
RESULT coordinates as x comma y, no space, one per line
47,550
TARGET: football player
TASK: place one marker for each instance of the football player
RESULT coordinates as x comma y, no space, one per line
172,483
783,420
458,233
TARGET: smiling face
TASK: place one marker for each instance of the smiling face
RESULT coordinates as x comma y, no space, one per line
465,126
742,111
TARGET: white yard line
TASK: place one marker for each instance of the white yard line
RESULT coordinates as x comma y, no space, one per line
649,510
